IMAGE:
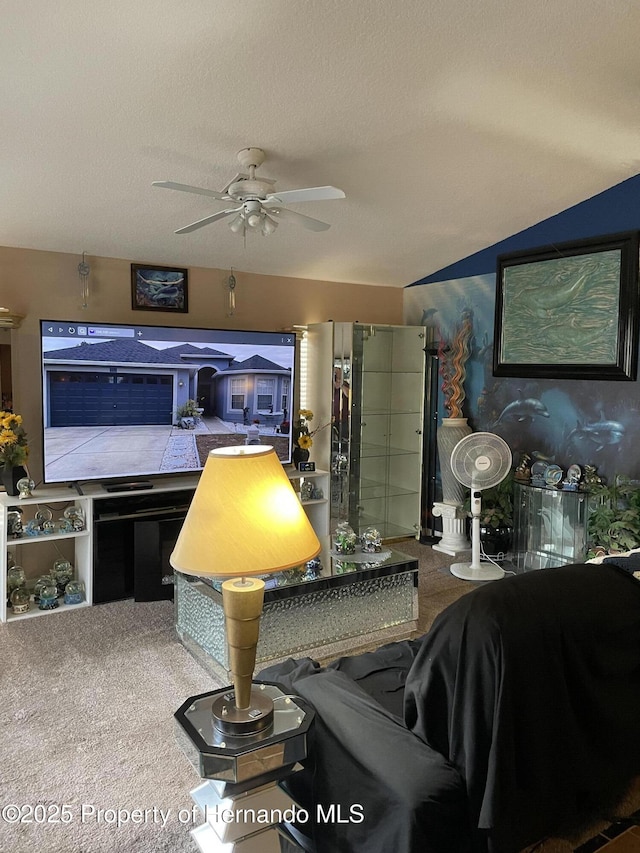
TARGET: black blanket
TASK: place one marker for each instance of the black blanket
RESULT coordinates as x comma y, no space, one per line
369,784
530,687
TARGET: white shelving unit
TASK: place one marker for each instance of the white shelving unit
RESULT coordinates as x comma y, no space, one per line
36,553
317,509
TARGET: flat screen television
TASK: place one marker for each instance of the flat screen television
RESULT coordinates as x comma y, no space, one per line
123,401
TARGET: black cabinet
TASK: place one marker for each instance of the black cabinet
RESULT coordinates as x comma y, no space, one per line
133,539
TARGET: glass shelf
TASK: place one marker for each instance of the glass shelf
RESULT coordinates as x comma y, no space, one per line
373,489
370,450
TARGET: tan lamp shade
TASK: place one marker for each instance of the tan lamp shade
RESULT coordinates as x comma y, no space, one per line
244,519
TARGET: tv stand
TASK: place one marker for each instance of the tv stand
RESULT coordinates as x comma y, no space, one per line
122,551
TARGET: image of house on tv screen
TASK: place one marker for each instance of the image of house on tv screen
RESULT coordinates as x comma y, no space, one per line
123,407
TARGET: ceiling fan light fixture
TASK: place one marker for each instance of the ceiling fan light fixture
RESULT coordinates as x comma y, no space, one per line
257,199
269,225
237,223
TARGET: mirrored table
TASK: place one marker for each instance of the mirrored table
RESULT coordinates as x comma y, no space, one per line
333,605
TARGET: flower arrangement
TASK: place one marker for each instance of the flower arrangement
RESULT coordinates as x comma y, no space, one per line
303,436
13,440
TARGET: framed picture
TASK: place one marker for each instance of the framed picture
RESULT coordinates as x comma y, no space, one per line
159,288
569,311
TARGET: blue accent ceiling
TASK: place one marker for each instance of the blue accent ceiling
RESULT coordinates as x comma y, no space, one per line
616,209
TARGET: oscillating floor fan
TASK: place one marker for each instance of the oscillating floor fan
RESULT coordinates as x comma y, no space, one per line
479,461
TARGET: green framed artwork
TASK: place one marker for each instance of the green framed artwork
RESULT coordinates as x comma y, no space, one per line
569,310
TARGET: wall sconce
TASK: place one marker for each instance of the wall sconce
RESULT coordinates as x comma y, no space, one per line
230,286
84,271
8,320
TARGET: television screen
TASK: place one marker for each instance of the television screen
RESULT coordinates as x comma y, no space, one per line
123,401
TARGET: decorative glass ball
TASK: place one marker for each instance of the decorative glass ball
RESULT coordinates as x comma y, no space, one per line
74,592
20,600
43,515
41,583
344,539
25,487
63,572
15,578
371,541
75,515
48,597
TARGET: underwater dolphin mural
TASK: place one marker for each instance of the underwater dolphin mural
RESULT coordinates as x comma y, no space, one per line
601,433
522,411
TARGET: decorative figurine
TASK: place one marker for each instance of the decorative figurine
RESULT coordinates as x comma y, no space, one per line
538,470
14,523
345,540
523,472
591,478
572,481
306,491
371,541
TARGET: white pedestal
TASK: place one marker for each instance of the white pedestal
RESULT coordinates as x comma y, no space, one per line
454,535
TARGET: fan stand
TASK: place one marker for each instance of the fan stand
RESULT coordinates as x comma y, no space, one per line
476,570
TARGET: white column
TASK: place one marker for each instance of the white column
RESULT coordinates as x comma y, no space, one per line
454,534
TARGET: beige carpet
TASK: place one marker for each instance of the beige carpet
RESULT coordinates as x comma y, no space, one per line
86,705
86,721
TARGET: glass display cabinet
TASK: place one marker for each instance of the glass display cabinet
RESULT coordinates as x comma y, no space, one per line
367,380
550,527
385,461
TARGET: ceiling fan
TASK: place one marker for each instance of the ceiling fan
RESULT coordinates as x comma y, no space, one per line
259,207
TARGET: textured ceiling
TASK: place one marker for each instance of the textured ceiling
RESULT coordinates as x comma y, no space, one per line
449,125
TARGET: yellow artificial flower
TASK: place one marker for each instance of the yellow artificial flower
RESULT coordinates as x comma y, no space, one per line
13,440
305,441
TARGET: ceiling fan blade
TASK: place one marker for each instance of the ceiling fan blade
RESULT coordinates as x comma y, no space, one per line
185,188
305,221
308,194
207,220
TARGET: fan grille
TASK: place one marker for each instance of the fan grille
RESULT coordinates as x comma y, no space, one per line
481,459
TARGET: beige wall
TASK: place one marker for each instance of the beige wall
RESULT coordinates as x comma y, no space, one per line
45,285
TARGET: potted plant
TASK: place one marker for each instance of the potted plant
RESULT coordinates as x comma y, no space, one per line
187,413
614,517
14,450
496,516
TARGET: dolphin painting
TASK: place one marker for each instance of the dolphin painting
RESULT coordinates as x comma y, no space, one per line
523,411
601,433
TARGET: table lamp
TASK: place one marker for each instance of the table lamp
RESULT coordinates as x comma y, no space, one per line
245,519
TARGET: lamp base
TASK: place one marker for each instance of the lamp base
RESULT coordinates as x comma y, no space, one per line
229,720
